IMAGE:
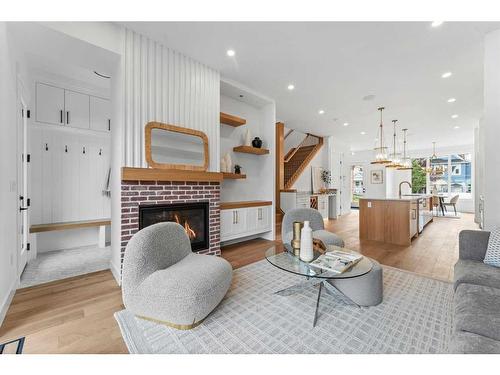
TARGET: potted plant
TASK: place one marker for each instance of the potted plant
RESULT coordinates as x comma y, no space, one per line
326,177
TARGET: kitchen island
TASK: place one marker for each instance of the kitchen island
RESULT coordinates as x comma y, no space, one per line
394,220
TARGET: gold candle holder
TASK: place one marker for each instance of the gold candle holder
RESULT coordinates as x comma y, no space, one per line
297,227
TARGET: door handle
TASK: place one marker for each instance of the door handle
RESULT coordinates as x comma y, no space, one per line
67,117
23,208
61,117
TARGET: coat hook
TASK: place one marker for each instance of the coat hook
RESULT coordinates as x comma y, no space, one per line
66,148
100,151
46,147
84,149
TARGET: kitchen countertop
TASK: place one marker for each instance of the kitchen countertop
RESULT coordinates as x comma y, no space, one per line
403,198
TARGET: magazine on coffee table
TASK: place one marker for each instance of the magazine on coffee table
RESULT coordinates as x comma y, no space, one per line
336,261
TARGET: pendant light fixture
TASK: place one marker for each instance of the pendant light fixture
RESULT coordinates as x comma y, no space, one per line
437,170
394,156
406,160
381,150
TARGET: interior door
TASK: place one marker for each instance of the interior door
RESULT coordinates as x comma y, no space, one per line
77,107
24,202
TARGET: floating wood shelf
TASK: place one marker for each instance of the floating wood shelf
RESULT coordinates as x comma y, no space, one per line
251,150
243,204
233,176
37,228
156,174
231,120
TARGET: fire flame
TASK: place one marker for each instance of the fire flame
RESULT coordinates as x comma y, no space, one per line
190,232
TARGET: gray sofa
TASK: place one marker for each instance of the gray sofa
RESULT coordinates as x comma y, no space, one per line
164,281
477,297
316,222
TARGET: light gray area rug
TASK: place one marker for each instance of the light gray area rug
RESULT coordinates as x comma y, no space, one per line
61,264
415,317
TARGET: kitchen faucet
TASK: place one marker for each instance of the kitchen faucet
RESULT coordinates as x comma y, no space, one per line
401,183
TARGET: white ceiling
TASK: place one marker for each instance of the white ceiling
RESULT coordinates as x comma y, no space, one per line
333,65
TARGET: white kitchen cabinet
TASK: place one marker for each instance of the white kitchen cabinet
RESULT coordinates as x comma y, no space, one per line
243,222
77,108
100,118
49,104
323,205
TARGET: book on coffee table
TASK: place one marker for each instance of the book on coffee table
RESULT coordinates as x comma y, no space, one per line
336,261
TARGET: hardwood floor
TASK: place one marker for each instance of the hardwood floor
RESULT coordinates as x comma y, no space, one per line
76,315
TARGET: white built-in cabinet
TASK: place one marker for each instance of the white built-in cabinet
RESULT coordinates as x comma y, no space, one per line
100,118
60,106
242,222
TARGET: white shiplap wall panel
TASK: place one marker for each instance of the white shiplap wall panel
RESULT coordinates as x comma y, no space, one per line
166,86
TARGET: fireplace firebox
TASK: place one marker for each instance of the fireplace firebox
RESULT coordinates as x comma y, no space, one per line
193,216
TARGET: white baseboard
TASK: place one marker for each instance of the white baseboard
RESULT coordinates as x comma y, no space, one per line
4,307
116,272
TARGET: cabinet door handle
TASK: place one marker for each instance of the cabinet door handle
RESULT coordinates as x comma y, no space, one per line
234,217
61,116
109,124
237,217
67,117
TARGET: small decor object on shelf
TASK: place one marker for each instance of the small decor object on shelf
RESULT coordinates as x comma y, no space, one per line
326,177
229,163
223,165
248,138
237,169
306,243
297,227
257,142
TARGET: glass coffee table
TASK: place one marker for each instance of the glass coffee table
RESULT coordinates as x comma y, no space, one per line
288,262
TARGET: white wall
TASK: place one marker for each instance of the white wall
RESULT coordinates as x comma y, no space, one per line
166,86
8,171
491,130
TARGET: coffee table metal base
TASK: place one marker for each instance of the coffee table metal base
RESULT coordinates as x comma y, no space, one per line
331,289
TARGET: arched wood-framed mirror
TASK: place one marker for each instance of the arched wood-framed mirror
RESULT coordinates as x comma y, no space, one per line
174,147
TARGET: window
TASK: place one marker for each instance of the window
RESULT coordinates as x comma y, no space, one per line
451,175
439,175
461,174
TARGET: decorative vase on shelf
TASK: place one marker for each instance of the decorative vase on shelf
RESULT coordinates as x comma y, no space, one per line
257,142
223,167
229,163
306,243
237,169
248,138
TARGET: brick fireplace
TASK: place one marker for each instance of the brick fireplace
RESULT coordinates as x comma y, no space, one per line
136,194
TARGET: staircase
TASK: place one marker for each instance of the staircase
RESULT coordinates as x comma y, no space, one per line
297,159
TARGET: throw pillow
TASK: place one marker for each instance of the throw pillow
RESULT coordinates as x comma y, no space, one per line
492,257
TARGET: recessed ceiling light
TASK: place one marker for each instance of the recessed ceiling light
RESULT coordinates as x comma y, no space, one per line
446,75
230,52
454,116
290,87
346,124
436,23
321,112
456,127
452,100
369,97
362,133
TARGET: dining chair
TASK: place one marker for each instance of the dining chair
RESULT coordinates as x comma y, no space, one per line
453,202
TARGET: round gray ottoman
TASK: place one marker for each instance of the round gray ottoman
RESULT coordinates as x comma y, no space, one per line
366,290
